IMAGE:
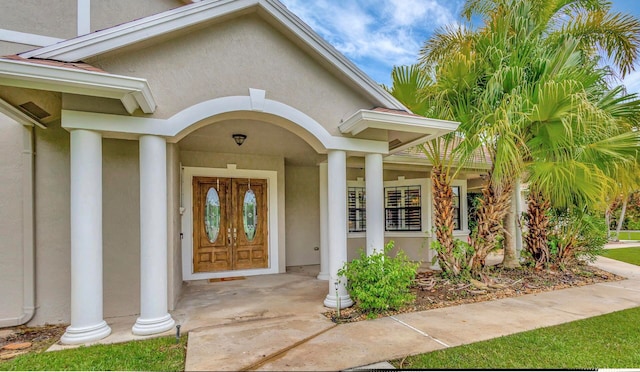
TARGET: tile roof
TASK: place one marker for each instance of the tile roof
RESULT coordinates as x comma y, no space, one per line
478,158
50,62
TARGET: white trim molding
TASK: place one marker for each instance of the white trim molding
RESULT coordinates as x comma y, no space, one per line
133,92
426,128
90,45
27,38
84,17
187,220
197,116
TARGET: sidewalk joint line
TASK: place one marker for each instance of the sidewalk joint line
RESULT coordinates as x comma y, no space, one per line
419,331
615,286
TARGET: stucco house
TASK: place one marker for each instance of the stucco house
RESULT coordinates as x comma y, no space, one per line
151,142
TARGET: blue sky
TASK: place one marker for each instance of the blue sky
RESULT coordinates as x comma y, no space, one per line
378,34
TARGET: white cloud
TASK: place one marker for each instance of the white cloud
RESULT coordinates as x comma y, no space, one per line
413,13
376,34
632,82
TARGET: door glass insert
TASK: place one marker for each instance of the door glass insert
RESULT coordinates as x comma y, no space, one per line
249,216
212,215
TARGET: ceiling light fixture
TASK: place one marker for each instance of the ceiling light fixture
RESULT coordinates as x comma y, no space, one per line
239,138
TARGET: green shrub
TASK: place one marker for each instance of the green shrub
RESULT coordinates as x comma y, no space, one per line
633,225
379,282
576,235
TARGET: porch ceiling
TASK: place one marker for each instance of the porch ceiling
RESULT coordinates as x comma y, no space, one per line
262,139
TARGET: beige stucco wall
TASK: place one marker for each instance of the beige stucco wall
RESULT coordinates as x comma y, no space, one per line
255,162
8,48
41,17
302,215
121,220
107,13
174,256
229,58
121,227
11,215
52,204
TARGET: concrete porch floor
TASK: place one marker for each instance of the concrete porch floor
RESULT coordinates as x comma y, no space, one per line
204,305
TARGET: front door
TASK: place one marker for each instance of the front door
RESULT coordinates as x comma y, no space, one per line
230,224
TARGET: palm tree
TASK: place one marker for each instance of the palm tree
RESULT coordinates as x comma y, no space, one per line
415,88
515,51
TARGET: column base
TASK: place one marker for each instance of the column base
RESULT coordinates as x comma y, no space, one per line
145,327
323,276
345,301
80,335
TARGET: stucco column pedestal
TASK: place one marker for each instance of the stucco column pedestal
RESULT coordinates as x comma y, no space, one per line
87,323
337,214
374,203
324,221
154,316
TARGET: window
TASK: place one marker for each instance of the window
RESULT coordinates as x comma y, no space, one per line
403,208
356,201
456,207
406,214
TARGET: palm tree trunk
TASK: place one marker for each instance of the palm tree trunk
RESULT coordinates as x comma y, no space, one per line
537,226
607,221
443,213
621,219
492,210
511,259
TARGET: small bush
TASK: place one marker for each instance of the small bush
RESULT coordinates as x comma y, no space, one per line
576,235
379,282
454,264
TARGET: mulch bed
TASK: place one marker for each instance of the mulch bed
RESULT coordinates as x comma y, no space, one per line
433,291
25,339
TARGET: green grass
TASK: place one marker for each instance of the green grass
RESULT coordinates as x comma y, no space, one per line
628,255
629,235
157,354
606,341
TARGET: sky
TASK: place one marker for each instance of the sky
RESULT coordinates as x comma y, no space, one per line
378,34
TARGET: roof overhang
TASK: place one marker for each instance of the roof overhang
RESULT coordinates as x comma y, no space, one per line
404,130
19,116
133,92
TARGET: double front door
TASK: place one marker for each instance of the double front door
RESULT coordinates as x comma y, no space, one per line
230,224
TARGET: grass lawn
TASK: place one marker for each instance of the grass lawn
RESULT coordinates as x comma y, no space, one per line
606,341
157,354
628,255
629,235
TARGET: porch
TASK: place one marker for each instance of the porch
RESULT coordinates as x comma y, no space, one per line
296,294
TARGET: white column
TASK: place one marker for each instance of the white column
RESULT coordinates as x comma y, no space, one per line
154,317
324,221
337,214
87,323
375,203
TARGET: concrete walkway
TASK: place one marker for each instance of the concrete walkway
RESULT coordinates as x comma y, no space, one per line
304,340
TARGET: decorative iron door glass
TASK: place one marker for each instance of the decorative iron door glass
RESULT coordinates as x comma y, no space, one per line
230,224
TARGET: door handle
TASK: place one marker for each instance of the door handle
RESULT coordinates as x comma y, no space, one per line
229,241
235,235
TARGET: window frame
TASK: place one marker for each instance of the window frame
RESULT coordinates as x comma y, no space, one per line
464,218
425,205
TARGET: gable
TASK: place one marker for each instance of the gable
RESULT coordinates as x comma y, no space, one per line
201,14
227,59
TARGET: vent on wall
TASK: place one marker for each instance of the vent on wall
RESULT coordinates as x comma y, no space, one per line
33,110
395,143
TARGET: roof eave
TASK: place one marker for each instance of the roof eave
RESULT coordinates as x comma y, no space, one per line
133,92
